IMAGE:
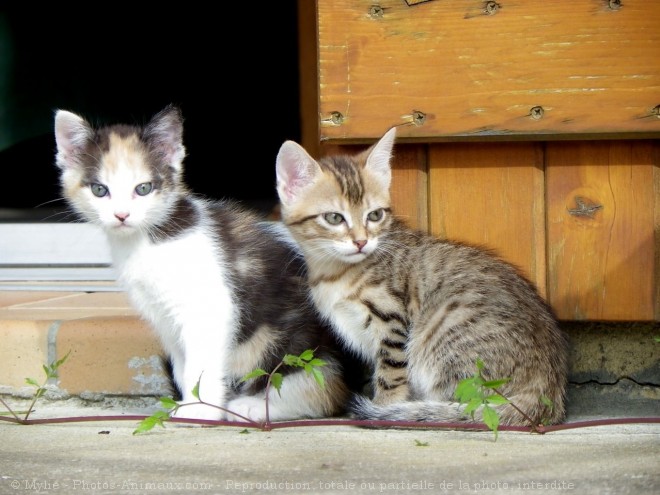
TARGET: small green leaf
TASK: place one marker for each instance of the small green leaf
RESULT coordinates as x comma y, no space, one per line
466,390
291,360
195,390
421,444
480,364
317,362
307,355
168,403
318,376
491,419
244,431
32,381
276,381
472,406
157,418
496,400
60,362
495,383
254,374
47,370
657,338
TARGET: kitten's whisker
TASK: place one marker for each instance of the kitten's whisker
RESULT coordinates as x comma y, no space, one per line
49,202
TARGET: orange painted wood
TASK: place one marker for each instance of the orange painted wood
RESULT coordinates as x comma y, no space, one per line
492,195
601,244
409,188
593,70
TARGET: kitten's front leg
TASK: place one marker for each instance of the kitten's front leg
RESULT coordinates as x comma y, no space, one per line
204,364
212,390
390,379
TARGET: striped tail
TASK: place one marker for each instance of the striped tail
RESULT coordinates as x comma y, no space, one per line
418,411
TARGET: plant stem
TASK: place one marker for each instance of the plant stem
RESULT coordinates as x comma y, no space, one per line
37,394
266,425
522,413
11,411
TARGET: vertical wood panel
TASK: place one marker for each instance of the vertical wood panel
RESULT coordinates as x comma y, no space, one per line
491,194
601,203
410,185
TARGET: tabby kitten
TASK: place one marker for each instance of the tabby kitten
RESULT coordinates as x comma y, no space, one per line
224,291
421,310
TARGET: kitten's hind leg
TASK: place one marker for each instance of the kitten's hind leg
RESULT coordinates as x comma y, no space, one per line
299,397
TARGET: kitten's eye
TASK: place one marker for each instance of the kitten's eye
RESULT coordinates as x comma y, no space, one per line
333,218
99,190
375,215
144,188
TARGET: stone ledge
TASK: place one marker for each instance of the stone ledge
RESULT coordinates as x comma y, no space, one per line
112,352
614,366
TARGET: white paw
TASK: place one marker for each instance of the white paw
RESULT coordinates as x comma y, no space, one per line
198,411
252,408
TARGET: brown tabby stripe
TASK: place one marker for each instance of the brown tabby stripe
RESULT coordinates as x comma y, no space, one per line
393,344
395,364
347,176
434,326
302,220
388,386
383,316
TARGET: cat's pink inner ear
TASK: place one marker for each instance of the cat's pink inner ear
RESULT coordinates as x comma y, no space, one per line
166,132
295,170
71,134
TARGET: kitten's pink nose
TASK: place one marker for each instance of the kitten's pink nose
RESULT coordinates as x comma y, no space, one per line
360,244
122,216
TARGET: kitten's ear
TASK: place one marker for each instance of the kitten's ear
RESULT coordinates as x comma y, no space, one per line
379,156
165,135
72,133
295,170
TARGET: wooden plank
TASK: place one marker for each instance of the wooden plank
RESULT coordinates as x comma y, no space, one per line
592,69
491,194
410,185
601,244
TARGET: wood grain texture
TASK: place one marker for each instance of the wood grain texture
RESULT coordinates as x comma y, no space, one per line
409,188
592,69
492,195
601,242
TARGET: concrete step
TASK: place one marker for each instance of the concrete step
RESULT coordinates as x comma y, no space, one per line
614,366
112,352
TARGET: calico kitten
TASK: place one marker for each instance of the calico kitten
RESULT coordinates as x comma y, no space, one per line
421,310
224,291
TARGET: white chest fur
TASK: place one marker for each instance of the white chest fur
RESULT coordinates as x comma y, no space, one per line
181,287
176,281
347,315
